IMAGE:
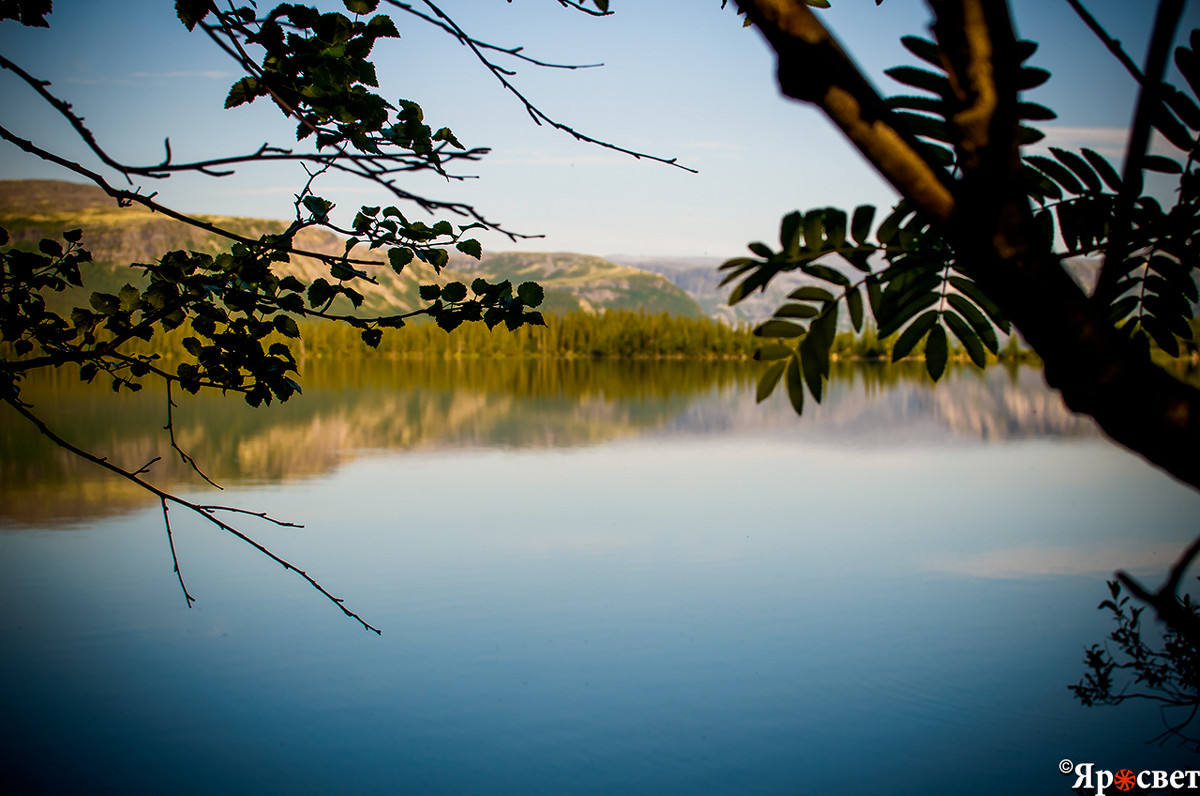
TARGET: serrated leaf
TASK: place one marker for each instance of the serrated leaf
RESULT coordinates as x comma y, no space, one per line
454,291
1104,169
470,247
130,298
924,49
429,292
1079,167
531,293
920,78
286,326
1057,172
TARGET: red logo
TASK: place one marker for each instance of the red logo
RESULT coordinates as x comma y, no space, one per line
1124,779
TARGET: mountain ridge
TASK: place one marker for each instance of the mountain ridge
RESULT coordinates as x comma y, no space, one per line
121,237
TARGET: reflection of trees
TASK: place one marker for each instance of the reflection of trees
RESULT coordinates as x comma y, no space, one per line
354,406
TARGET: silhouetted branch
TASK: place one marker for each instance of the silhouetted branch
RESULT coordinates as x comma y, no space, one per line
814,68
207,512
535,113
174,558
1165,601
170,429
1149,103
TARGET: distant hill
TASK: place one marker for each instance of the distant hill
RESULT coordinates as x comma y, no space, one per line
34,209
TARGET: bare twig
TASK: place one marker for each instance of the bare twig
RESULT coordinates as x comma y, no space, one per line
174,558
170,429
207,512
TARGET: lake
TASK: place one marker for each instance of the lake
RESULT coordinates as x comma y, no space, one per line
590,577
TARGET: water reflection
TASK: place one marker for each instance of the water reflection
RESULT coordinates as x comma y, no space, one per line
353,408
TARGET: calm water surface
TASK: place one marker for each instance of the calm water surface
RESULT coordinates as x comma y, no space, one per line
591,578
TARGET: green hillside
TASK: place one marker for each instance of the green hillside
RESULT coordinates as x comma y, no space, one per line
117,237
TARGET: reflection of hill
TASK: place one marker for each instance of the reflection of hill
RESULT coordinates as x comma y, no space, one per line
898,403
353,408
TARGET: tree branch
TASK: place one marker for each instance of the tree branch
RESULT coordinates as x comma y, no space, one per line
814,68
1149,103
207,512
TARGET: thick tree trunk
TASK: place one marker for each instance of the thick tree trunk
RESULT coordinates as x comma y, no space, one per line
986,218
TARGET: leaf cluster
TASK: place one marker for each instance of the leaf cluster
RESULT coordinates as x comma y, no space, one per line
915,284
1168,674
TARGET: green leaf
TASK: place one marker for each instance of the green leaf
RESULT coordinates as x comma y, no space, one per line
860,227
241,92
814,230
778,329
924,49
191,11
974,317
105,303
399,257
811,293
811,365
286,326
920,78
429,292
319,293
1161,164
913,334
795,385
977,295
967,337
470,247
1104,169
130,298
766,385
454,291
372,337
854,304
1056,172
361,6
936,352
1080,167
797,311
531,293
789,233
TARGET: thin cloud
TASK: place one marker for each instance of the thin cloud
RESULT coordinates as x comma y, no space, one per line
1107,141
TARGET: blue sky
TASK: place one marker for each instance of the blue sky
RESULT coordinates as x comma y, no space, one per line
681,78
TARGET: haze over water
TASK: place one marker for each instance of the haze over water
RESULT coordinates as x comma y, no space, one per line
591,578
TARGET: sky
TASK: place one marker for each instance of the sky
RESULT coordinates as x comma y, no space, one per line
680,79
